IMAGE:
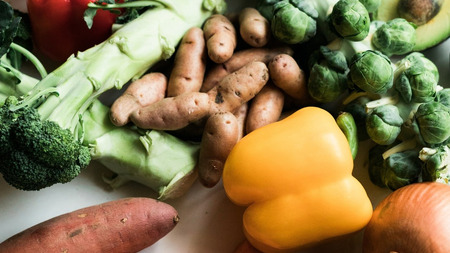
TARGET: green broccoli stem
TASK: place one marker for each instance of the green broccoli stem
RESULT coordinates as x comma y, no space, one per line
126,55
154,158
31,57
132,4
13,82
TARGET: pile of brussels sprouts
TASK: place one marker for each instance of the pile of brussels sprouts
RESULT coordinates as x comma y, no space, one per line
398,105
409,122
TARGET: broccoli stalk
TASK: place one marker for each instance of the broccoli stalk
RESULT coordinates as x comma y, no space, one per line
153,158
42,134
13,82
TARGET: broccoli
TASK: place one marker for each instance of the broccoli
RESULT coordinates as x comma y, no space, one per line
42,133
37,152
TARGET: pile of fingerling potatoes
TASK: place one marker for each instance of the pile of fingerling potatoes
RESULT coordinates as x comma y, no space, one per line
228,79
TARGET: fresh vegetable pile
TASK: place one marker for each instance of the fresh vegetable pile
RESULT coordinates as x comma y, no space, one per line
43,132
273,100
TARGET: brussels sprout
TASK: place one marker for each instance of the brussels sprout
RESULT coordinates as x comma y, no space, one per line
371,5
326,85
371,71
350,19
383,124
265,7
334,59
401,169
327,77
376,165
436,166
443,97
432,121
418,83
293,22
397,170
395,37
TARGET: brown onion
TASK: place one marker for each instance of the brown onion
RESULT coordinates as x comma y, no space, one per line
414,218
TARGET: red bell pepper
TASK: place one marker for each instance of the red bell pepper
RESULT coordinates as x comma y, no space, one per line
59,29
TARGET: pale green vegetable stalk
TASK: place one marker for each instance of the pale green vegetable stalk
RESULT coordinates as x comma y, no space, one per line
153,158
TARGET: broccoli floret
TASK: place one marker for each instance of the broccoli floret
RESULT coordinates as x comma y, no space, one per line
37,153
6,119
25,173
48,143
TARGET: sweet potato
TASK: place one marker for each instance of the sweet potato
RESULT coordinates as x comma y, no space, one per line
219,137
287,74
253,27
172,113
220,36
238,60
189,64
265,108
238,87
124,225
149,89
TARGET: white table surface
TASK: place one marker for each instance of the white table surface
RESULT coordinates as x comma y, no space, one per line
209,221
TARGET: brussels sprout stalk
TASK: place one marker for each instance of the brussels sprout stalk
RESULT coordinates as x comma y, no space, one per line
402,146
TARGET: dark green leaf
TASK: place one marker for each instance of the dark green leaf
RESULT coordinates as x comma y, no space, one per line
9,25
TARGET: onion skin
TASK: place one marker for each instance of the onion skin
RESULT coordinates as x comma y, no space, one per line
414,218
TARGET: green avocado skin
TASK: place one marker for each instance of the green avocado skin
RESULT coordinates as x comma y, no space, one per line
429,34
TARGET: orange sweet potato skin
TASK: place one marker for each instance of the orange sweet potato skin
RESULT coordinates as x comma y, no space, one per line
124,225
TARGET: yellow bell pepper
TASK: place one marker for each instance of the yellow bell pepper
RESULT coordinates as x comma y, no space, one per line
295,176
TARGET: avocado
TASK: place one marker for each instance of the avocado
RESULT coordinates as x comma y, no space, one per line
429,32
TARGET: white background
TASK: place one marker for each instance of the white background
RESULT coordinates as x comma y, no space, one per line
209,221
